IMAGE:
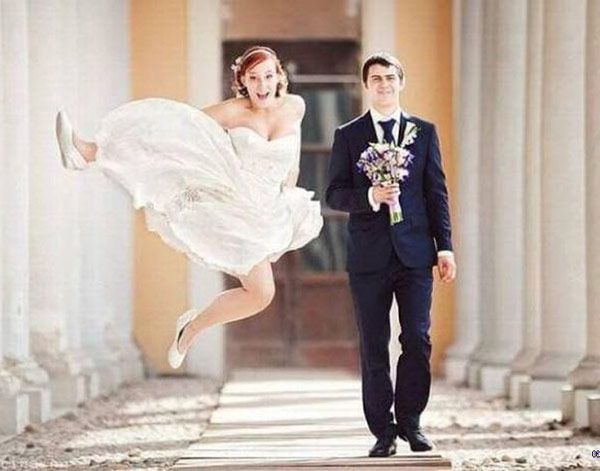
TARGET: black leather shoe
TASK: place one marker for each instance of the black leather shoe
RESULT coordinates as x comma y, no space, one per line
384,447
415,438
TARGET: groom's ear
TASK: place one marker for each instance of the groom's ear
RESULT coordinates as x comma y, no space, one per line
402,83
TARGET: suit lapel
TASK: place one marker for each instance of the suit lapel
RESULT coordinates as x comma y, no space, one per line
368,131
401,128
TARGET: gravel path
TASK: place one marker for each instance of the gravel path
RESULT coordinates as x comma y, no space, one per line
477,433
144,425
150,424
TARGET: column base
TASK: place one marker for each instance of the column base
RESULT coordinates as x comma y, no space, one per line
106,367
456,370
567,403
14,413
39,403
91,384
580,406
494,380
68,390
67,370
593,403
110,378
132,366
474,375
133,371
587,373
545,393
35,384
524,361
553,366
14,405
519,390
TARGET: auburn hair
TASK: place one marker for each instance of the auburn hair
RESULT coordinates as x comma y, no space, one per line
251,57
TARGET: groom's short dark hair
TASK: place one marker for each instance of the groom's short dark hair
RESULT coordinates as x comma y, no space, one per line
382,58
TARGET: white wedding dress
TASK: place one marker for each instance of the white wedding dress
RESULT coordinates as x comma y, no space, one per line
216,195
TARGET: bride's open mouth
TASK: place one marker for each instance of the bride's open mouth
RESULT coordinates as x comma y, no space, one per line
263,96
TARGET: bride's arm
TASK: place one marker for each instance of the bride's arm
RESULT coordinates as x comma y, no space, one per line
299,108
223,112
292,178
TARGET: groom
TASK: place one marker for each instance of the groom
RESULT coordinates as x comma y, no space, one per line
386,261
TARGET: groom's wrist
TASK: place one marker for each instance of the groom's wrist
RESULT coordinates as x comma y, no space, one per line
375,206
445,253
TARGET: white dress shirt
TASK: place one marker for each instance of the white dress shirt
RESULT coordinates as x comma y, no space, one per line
376,116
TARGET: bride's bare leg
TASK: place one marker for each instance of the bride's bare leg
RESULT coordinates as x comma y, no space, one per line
257,292
86,149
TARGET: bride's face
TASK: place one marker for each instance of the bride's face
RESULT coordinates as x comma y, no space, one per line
261,82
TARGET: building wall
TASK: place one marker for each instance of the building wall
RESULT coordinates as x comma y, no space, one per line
290,19
158,68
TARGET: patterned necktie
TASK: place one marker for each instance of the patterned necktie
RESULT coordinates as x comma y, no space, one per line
387,127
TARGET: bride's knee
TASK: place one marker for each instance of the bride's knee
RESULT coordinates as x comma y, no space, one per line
260,286
262,295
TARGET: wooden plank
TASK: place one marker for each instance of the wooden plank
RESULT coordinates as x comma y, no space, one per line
287,419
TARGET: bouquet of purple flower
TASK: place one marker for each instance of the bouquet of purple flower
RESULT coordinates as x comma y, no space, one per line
387,164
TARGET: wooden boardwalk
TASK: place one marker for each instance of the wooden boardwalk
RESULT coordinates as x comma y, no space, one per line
287,419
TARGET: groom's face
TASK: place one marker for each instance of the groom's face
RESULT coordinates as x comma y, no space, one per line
383,86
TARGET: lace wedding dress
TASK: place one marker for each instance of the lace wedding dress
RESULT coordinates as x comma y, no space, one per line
216,195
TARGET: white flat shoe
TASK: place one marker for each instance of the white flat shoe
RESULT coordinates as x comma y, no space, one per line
175,358
70,156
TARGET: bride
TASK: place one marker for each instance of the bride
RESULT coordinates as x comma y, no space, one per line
218,184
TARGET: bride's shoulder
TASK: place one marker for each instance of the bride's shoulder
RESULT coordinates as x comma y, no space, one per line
226,112
297,105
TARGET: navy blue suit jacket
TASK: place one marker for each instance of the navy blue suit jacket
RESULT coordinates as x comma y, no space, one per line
424,200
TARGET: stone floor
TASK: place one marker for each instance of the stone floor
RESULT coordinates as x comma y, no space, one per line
163,423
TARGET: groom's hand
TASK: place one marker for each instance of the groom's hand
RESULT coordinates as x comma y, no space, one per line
446,268
386,194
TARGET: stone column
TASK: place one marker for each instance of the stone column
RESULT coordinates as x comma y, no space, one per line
378,27
467,244
563,201
54,194
531,333
485,188
14,404
111,22
15,210
101,86
507,154
586,377
207,356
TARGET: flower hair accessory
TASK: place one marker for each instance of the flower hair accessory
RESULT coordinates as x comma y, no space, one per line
237,63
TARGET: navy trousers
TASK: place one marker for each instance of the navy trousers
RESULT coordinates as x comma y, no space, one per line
372,294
